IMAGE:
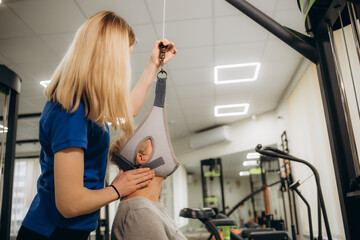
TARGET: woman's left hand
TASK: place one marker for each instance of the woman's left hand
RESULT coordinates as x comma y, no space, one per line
169,53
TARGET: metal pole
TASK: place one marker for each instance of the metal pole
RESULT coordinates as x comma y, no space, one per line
203,183
354,27
98,232
295,214
292,226
218,160
309,212
297,41
25,115
9,166
266,190
252,197
284,144
338,133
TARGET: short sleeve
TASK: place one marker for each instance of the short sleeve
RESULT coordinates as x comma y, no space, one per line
68,130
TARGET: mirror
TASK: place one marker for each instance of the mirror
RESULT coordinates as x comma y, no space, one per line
242,175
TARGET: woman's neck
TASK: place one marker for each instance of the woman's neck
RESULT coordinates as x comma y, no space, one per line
151,191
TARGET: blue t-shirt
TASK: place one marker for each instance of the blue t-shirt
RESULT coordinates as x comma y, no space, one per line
58,130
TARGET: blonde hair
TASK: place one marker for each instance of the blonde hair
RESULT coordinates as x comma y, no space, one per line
96,71
116,145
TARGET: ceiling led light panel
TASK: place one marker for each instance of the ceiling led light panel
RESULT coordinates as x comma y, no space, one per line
235,73
253,155
250,163
45,83
3,129
244,173
231,110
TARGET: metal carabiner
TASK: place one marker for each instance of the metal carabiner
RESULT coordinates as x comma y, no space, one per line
162,72
162,56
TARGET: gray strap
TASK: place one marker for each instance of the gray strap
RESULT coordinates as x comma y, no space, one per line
160,92
154,164
123,163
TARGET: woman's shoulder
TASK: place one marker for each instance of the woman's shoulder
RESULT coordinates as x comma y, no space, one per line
54,111
55,107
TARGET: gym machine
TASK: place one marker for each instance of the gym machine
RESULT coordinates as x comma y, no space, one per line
208,217
10,85
271,172
214,221
321,18
213,184
273,152
288,181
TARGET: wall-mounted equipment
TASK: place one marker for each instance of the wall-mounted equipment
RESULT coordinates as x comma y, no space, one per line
206,138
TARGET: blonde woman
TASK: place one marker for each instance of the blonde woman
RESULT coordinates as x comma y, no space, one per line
90,87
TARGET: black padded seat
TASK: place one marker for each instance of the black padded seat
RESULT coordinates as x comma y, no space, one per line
246,232
223,222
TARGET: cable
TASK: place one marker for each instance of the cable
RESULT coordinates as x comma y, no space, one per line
163,35
307,179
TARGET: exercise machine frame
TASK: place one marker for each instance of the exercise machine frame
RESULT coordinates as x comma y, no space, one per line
317,48
273,152
12,83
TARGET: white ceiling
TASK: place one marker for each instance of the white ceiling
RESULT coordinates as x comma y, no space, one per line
35,34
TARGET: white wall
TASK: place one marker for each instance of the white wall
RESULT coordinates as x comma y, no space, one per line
308,139
245,135
195,201
111,174
235,189
180,193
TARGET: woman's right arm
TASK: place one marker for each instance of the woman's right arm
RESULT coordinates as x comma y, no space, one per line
141,90
73,199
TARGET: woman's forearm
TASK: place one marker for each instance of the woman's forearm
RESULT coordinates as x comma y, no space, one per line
85,201
71,197
141,90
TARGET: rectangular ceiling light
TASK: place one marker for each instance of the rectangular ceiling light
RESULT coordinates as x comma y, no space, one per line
250,163
45,83
231,110
244,173
3,129
253,155
234,73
